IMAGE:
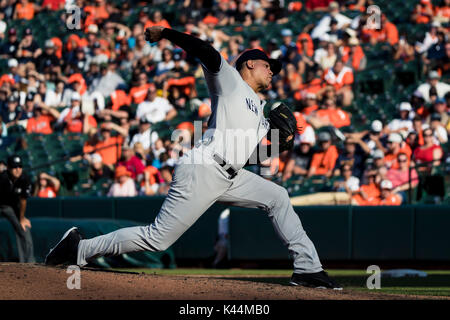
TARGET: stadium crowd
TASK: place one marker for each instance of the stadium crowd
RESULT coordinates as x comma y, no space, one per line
104,81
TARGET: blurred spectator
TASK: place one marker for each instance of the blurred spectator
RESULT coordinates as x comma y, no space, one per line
387,33
430,39
403,124
300,159
403,50
423,12
145,135
42,120
166,175
108,79
440,108
403,178
124,185
323,25
324,160
387,196
436,53
442,12
351,155
395,146
131,162
110,147
330,115
433,82
353,55
47,186
24,10
341,78
98,170
369,193
28,49
73,119
154,108
9,49
430,151
440,132
139,92
151,182
329,59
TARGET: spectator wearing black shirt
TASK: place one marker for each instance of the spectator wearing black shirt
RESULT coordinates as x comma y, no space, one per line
28,48
9,49
15,188
48,59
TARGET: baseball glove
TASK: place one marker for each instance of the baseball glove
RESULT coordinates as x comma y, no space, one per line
282,118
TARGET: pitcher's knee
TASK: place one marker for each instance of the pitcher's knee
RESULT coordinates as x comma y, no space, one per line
281,197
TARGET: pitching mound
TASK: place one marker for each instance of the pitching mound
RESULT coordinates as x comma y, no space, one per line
38,282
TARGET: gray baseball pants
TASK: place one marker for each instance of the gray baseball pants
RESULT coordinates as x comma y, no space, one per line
195,187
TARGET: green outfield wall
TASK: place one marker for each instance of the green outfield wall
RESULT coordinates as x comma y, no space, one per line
418,232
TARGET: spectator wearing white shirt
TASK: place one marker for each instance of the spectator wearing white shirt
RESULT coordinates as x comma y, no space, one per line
404,123
439,131
154,108
324,24
433,81
55,98
145,136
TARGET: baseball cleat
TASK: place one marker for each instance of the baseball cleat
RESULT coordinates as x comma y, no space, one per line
319,280
65,251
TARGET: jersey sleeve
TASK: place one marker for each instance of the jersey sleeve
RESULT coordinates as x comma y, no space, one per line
224,81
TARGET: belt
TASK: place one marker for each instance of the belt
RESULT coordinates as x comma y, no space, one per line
227,167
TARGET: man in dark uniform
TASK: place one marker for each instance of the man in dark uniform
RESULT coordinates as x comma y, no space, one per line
15,188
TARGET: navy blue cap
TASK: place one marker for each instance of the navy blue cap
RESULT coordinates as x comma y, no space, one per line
256,54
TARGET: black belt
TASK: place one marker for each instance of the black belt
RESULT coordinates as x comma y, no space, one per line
227,167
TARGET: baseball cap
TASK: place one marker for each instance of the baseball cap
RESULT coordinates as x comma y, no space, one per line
12,32
378,154
93,28
333,5
440,100
30,97
435,117
49,44
433,75
28,32
256,54
144,120
418,94
14,161
75,96
386,184
286,33
12,63
395,137
376,126
176,57
12,99
96,158
311,95
353,41
405,106
324,136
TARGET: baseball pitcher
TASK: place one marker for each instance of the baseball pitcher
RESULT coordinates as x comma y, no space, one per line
212,170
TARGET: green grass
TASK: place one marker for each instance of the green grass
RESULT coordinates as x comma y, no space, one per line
437,283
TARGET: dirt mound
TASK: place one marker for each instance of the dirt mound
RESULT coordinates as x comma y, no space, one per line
39,282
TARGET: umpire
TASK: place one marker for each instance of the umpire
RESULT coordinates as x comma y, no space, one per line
15,188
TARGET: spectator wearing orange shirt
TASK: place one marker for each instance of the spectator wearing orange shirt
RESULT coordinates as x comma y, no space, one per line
139,92
309,104
395,146
96,13
442,12
24,10
330,115
73,119
324,160
353,55
387,196
368,194
47,186
151,181
42,120
387,33
341,78
157,20
423,13
110,147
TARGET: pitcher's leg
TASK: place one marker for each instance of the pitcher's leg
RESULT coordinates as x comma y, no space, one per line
251,191
194,190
